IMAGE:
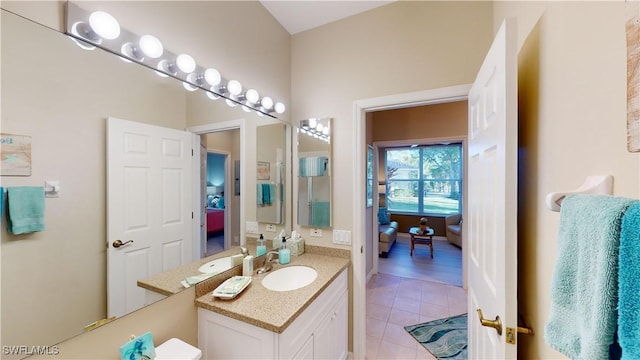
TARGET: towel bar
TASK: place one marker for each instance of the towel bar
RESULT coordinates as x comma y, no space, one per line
599,184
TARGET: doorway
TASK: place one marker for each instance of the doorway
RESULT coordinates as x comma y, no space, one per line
359,256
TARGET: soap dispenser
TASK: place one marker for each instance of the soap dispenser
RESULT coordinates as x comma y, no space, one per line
284,255
261,249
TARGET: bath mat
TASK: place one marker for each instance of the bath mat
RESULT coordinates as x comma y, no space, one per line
444,338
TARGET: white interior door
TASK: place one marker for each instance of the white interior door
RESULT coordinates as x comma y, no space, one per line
149,195
491,221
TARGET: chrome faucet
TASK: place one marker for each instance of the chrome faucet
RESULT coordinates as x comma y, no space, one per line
270,258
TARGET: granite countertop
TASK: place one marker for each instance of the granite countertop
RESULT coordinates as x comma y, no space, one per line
275,310
168,283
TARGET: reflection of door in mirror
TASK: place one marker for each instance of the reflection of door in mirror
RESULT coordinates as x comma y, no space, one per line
314,173
221,205
270,167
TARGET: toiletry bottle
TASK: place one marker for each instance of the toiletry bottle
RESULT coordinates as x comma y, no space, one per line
261,249
247,266
284,255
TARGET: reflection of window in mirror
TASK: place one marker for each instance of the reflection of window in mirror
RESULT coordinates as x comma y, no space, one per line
314,172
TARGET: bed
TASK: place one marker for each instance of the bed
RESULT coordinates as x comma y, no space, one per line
215,219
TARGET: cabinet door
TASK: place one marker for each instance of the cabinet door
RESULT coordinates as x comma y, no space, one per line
306,352
331,336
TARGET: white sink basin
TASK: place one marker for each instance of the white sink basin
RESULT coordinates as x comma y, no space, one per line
216,266
289,278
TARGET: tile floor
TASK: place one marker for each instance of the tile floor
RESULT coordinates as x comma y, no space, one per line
394,302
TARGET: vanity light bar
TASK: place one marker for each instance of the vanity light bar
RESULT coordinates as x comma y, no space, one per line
100,29
314,129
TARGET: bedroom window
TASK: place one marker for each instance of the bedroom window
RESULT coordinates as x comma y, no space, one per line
424,179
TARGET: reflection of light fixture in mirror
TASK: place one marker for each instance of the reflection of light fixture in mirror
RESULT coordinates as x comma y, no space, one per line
231,103
100,29
212,95
316,128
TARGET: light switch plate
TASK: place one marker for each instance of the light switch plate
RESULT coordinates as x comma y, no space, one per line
315,232
252,227
271,227
342,237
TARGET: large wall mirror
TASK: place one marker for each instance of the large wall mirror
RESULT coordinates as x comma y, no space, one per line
55,282
314,172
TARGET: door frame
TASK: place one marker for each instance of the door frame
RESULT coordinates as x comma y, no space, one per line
358,258
217,127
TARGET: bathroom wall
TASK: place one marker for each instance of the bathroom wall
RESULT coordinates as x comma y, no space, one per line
572,110
397,48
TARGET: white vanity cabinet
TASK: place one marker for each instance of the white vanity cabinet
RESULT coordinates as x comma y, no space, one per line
319,332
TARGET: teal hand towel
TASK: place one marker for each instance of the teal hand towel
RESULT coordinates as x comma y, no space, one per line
584,284
259,197
25,209
266,194
628,285
320,213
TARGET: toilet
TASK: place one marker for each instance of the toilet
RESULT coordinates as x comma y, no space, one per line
176,349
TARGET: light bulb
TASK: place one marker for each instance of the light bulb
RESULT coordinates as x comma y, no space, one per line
234,87
165,67
325,130
279,107
252,96
105,25
129,50
319,127
185,63
231,103
151,46
312,123
212,95
246,108
188,86
212,76
267,102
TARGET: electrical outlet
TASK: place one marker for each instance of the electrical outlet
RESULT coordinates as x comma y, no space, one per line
271,227
252,227
342,237
315,232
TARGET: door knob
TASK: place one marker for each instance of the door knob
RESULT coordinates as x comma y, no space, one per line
496,324
118,243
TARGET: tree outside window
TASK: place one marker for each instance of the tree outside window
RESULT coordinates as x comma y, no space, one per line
425,179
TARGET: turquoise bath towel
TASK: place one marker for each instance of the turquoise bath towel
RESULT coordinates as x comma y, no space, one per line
629,286
25,209
584,285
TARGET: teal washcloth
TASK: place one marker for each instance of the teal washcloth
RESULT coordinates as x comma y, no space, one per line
584,284
629,287
25,209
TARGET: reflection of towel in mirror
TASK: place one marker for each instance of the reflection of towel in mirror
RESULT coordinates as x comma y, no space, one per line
265,194
25,209
320,213
1,203
259,197
313,165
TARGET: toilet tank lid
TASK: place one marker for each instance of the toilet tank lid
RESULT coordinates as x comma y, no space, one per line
177,349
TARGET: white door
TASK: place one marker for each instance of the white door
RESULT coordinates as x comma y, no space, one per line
149,195
491,219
